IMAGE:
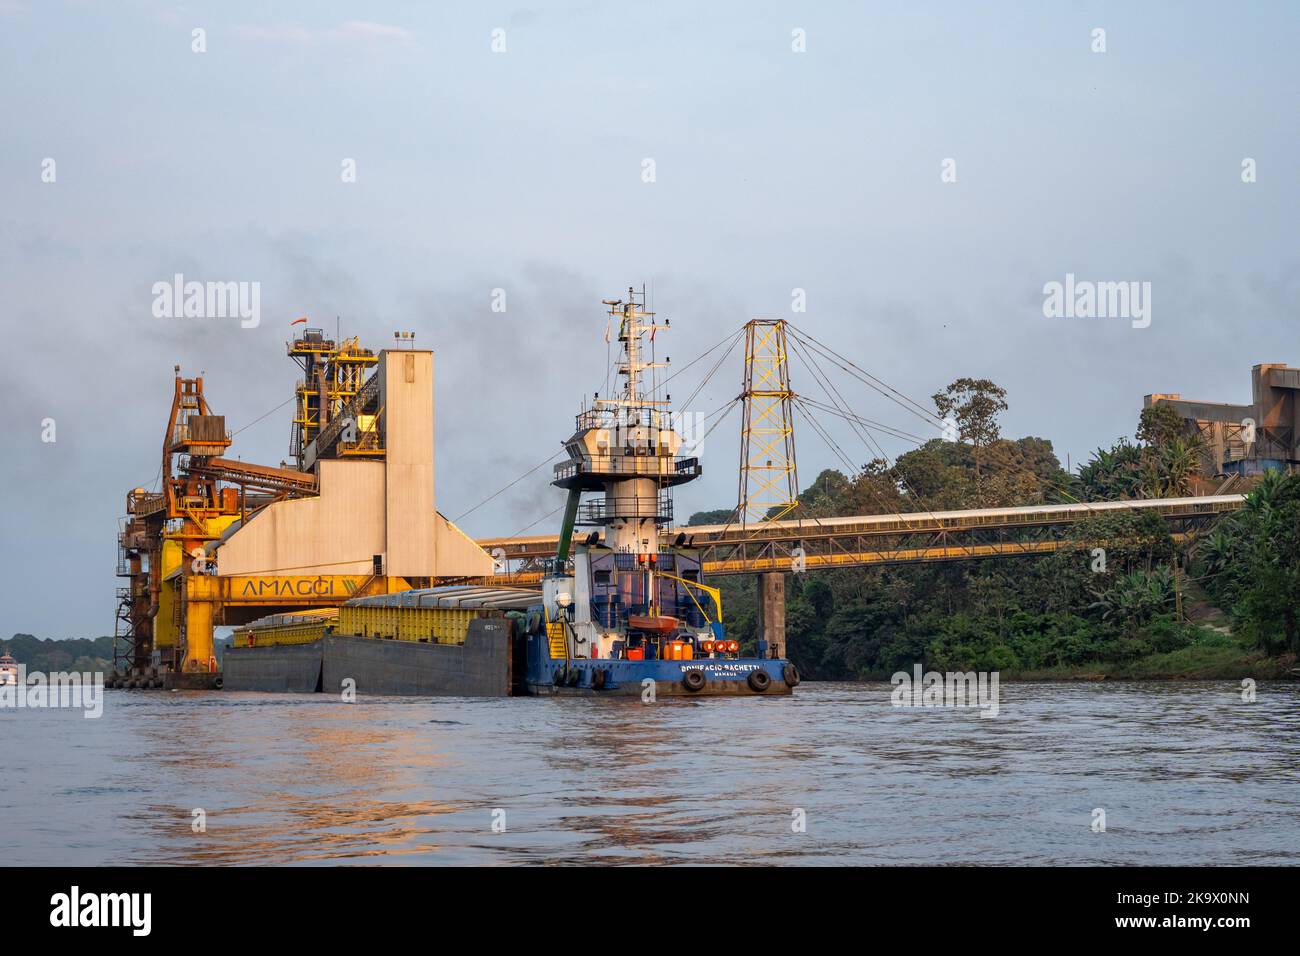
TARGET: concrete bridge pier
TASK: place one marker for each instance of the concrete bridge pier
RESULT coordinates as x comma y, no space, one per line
771,612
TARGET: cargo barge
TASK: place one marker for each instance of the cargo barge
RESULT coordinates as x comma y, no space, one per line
619,612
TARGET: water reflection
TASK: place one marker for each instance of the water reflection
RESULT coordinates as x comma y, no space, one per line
1186,773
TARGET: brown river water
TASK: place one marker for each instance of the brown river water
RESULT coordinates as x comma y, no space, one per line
1185,772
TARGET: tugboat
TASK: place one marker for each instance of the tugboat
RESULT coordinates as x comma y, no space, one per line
622,611
8,671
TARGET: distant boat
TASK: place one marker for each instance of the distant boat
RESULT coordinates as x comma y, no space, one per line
8,671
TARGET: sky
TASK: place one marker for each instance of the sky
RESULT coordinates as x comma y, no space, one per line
793,146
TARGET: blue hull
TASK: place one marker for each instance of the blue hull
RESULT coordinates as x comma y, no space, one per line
669,678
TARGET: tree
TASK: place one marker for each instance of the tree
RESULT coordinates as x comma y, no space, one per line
1135,598
1112,473
873,490
1170,467
1158,425
1218,552
1264,574
974,404
941,475
717,516
60,655
1163,464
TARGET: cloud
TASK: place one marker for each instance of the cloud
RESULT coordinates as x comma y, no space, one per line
356,33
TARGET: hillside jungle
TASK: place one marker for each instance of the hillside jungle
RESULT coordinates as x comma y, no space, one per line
1224,605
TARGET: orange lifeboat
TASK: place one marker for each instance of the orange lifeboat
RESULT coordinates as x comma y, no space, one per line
652,623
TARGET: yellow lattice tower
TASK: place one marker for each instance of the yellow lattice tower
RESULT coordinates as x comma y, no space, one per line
769,481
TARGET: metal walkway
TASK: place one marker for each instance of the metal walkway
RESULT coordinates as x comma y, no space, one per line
867,540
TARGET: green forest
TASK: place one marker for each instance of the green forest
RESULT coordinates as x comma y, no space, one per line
1225,604
83,655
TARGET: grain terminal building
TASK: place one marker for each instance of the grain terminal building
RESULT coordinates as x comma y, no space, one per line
225,541
1246,439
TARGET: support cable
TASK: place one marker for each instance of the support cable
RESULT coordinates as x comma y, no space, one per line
884,388
502,491
260,417
834,394
895,396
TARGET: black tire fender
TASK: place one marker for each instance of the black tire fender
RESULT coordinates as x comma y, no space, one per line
693,680
598,679
791,675
758,680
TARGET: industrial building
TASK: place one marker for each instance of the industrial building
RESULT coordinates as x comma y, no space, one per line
224,541
1246,439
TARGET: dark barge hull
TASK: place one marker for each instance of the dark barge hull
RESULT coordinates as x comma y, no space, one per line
481,667
289,668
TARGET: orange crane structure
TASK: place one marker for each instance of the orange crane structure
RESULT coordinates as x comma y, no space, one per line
171,542
166,536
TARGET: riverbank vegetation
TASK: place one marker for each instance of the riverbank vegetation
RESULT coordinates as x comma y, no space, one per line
49,656
1121,598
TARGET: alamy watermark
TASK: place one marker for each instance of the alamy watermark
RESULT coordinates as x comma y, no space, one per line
1084,299
38,690
75,908
953,689
179,299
